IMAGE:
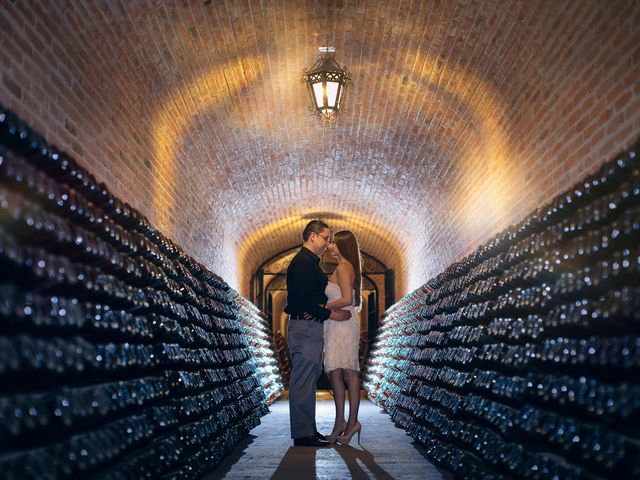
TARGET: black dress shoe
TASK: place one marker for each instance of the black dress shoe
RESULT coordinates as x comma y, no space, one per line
321,436
310,442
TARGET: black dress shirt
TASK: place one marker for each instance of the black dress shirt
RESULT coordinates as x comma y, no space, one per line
305,286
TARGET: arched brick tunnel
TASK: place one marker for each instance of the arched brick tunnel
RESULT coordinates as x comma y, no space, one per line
463,120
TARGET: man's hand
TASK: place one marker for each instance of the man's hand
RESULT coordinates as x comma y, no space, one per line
340,315
337,315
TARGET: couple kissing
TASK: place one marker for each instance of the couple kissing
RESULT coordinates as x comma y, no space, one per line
322,320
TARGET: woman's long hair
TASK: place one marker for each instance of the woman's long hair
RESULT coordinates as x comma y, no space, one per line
349,248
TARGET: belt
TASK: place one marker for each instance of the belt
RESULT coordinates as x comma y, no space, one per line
291,317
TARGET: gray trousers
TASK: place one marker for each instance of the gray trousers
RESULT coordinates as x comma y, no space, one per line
306,340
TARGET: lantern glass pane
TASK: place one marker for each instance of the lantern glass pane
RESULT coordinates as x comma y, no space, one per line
318,94
340,91
332,93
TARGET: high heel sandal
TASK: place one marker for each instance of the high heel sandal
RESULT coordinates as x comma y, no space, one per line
336,433
346,438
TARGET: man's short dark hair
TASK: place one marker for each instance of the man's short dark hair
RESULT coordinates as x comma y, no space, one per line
314,226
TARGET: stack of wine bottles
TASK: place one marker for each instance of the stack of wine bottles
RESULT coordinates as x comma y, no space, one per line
523,360
120,356
390,351
363,345
283,355
255,328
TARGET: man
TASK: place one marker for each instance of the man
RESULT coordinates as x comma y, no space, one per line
306,284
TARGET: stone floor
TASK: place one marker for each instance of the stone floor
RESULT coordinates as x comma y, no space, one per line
386,451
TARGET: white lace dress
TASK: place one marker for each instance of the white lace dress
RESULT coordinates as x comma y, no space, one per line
341,339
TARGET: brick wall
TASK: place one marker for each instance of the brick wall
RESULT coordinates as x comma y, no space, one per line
463,117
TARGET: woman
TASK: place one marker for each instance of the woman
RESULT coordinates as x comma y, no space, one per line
341,338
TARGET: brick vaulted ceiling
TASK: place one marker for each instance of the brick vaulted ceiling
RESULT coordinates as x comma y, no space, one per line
463,117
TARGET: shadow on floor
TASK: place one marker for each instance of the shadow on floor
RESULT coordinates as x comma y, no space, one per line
386,452
229,461
300,462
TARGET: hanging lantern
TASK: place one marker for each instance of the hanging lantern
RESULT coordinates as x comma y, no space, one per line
326,81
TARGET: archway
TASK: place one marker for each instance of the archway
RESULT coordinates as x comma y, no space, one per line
269,290
269,293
